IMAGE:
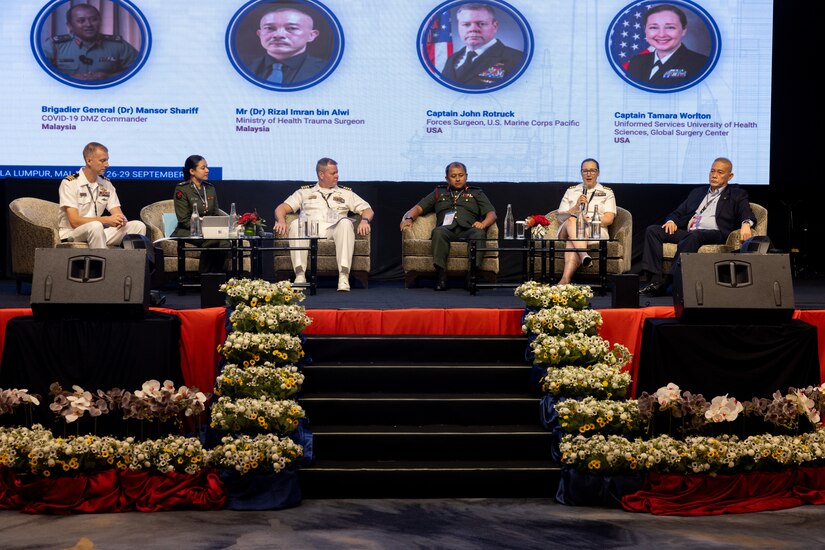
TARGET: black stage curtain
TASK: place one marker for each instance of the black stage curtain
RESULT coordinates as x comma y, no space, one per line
743,361
94,354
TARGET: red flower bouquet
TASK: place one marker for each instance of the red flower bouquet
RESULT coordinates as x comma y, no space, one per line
537,219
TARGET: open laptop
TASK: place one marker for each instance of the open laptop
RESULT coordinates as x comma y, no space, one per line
215,227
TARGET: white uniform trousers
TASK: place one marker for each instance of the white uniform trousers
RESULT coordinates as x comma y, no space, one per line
342,233
98,236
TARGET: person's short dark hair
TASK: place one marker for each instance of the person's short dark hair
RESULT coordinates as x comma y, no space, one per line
455,164
190,163
590,160
71,10
665,7
476,7
322,164
725,160
91,147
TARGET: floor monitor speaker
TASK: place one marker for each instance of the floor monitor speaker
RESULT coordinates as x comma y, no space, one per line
733,288
74,282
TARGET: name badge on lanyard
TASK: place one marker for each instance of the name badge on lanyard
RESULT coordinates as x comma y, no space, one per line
449,218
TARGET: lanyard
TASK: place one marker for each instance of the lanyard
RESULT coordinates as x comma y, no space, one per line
203,197
94,196
457,196
326,199
708,202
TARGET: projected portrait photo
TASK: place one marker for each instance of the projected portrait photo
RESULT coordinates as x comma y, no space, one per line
284,46
663,46
93,44
475,47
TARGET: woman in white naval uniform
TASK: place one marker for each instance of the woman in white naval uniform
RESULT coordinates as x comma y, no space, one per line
592,194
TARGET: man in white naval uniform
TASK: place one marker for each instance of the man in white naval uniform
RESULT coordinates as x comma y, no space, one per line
85,197
328,204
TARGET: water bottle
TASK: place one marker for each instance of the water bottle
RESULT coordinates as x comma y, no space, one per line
581,223
233,222
195,222
509,223
302,224
596,224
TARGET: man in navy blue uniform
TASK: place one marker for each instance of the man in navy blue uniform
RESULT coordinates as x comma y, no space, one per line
484,61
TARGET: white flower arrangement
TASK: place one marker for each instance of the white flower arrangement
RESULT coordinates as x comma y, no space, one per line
598,381
590,415
540,295
262,453
559,320
269,318
250,348
35,450
695,455
256,292
256,415
577,349
169,454
723,409
276,382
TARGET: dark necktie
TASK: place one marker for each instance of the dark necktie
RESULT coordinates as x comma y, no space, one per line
277,75
466,67
655,69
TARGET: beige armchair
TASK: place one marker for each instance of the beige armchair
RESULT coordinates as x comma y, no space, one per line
734,242
152,216
32,225
417,253
619,248
327,264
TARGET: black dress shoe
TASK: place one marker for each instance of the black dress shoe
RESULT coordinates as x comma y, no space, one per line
586,261
654,289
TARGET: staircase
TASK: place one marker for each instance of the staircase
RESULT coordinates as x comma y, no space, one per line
423,417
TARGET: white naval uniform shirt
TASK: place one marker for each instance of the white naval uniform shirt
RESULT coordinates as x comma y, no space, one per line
600,196
91,199
326,206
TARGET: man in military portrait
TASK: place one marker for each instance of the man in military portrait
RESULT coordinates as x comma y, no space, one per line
85,53
284,34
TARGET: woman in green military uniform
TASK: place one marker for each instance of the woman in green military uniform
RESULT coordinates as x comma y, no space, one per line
197,193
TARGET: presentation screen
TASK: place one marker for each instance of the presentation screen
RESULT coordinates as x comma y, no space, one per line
520,91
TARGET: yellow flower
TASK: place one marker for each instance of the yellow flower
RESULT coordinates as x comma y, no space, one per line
594,464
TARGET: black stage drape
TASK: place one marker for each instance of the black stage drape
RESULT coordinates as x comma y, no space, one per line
93,354
743,361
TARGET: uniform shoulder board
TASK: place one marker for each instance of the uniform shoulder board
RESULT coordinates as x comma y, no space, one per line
307,186
574,186
73,176
60,38
111,37
105,179
606,188
344,188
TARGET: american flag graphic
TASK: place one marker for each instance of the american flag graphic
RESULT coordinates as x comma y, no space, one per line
439,40
627,37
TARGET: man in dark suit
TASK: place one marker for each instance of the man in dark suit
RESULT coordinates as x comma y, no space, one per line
670,63
284,34
484,61
707,216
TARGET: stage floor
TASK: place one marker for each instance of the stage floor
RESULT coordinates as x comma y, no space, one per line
808,294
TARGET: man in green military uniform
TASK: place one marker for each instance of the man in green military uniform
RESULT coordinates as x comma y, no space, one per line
84,53
462,213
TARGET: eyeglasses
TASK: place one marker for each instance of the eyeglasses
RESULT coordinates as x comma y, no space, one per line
590,171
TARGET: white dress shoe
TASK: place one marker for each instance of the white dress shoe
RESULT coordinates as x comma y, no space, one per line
343,283
300,279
